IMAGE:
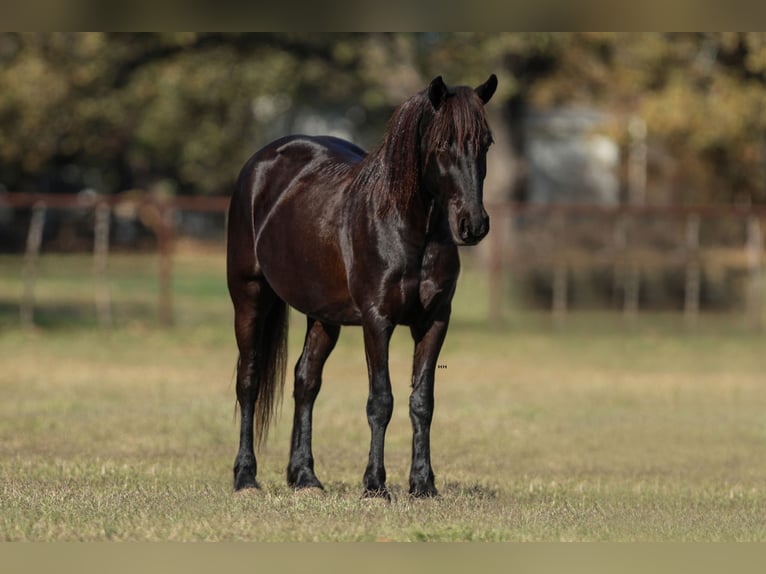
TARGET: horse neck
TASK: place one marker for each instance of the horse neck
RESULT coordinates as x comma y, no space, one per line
377,179
390,177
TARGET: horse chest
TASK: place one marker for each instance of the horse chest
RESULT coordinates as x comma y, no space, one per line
439,271
427,284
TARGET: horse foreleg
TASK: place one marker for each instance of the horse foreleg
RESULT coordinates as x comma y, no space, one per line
380,404
428,343
319,343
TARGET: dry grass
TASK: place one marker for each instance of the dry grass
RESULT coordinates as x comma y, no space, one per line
591,432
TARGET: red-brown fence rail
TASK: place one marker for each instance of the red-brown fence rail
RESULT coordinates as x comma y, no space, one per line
71,201
551,251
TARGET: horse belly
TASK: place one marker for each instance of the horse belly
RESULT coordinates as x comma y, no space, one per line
319,294
305,269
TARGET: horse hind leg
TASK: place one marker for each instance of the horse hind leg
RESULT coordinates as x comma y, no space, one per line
260,323
319,343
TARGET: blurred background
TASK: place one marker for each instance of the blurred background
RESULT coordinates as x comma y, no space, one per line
603,375
628,175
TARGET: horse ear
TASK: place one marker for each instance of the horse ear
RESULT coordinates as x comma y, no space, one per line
437,92
488,88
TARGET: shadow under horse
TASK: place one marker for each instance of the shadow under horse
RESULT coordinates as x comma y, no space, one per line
354,238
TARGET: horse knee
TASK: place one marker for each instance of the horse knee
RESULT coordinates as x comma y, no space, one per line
421,408
380,408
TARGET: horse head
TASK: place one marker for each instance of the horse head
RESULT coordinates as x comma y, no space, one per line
455,144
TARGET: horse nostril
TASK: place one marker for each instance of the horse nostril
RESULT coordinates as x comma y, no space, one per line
463,228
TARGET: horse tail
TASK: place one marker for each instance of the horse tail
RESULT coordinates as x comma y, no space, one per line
270,366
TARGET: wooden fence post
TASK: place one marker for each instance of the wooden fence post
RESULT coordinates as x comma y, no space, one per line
754,248
619,245
693,270
165,245
100,263
31,255
627,272
496,269
560,270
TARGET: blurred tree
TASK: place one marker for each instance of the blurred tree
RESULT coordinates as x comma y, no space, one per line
114,111
703,97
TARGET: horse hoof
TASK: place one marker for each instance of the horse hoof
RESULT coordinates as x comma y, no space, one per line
301,481
244,482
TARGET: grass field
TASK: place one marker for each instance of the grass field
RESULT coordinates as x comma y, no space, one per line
592,431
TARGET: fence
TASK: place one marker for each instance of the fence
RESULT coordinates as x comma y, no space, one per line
703,254
155,214
557,254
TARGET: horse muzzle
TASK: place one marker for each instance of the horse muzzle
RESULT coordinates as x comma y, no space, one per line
472,230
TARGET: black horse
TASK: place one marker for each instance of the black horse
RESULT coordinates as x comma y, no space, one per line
351,238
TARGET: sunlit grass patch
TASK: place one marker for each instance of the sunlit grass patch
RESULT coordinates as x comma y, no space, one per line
587,432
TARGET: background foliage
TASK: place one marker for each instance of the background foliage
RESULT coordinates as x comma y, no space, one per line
114,111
